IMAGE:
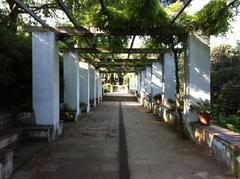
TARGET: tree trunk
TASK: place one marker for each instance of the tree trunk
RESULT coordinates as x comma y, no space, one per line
181,132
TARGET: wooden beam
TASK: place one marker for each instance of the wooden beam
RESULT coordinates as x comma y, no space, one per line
180,12
119,71
129,60
67,12
120,51
73,31
31,13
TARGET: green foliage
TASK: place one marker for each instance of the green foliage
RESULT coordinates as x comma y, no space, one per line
231,122
225,89
172,101
15,73
144,14
212,19
225,80
202,106
157,96
107,87
224,56
126,80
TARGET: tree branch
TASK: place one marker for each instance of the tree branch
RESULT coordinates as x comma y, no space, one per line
103,5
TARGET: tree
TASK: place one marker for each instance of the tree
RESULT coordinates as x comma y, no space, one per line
11,12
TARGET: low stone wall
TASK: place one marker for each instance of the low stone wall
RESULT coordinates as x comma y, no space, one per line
222,144
6,163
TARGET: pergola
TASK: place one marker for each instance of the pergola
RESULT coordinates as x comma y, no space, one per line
82,79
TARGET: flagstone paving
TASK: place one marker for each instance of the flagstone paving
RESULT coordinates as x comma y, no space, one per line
89,149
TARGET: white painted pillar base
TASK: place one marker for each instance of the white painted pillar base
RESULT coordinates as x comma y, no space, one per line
169,82
45,79
197,75
84,85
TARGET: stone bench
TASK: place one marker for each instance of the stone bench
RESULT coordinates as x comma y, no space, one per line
222,143
6,163
38,133
7,141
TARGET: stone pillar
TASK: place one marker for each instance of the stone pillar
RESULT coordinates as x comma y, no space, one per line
131,82
92,85
97,86
71,82
197,75
100,86
169,82
156,78
135,82
45,78
139,83
148,80
84,86
142,87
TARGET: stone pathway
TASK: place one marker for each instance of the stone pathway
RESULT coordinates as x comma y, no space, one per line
89,150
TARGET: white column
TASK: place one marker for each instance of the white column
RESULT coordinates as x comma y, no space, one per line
45,78
169,81
97,86
84,85
71,81
100,86
156,78
92,85
139,83
197,75
131,81
148,80
142,88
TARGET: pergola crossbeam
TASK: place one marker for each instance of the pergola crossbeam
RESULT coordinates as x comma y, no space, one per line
73,31
180,12
31,13
120,51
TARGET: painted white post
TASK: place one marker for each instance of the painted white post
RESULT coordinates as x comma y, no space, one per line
97,86
45,79
92,84
139,83
148,80
197,75
84,84
131,82
169,81
142,88
135,82
156,78
71,81
100,87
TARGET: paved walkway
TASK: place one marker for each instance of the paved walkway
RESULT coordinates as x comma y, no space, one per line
90,149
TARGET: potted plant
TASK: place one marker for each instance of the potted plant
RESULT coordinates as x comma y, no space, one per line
203,111
171,104
157,99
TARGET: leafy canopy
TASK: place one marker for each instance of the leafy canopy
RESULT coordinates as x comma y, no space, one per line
212,19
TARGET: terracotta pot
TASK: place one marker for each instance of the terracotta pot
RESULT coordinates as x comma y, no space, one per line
204,118
157,102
